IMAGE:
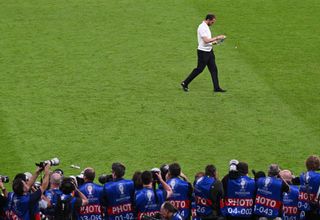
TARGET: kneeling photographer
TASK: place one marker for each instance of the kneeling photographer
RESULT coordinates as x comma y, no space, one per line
148,200
117,196
239,192
51,195
93,192
270,190
20,203
208,192
67,204
182,190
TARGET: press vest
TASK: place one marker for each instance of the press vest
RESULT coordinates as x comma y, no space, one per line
268,197
180,197
92,210
146,203
202,190
290,204
119,195
240,197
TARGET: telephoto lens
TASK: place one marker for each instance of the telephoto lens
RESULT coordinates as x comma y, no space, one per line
53,162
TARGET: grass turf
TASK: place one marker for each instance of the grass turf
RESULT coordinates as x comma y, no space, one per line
94,82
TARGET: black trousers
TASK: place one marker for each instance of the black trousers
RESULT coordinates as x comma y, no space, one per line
205,59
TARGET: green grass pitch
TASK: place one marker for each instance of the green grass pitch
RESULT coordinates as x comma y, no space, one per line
93,82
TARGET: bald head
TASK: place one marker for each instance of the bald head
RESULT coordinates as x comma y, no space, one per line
89,174
286,175
55,179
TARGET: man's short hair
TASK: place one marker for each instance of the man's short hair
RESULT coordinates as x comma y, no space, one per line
118,169
210,17
313,163
18,186
210,170
174,170
169,207
243,168
146,177
273,170
89,174
21,176
67,185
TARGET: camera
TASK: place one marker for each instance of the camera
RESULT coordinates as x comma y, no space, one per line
37,185
80,180
233,165
105,178
53,162
164,170
154,172
4,179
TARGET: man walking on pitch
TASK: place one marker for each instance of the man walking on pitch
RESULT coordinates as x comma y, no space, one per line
206,56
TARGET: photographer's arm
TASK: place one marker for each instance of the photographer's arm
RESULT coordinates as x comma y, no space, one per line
45,181
166,187
82,196
33,178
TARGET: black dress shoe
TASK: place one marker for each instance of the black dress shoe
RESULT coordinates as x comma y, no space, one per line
220,90
184,87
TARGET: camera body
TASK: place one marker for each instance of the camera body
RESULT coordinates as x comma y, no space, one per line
53,162
233,165
4,179
154,172
105,178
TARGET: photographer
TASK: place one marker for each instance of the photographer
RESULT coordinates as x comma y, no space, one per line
169,212
269,193
118,195
67,205
309,185
20,203
182,191
148,200
50,197
291,198
239,192
93,192
208,193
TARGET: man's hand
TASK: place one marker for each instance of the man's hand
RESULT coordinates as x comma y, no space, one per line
47,169
221,37
159,176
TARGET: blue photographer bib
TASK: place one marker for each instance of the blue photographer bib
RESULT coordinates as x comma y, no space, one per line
180,197
147,204
240,198
309,185
92,210
202,190
268,197
119,195
18,207
290,204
